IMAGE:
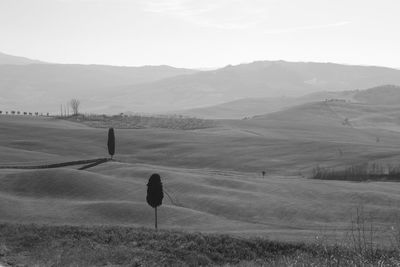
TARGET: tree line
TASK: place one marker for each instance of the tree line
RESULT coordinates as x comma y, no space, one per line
73,103
13,112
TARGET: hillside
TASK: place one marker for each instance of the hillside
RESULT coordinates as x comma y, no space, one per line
241,108
380,95
14,60
376,98
249,107
201,200
212,176
332,113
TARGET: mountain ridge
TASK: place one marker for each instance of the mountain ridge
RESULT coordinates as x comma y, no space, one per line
6,59
266,79
161,89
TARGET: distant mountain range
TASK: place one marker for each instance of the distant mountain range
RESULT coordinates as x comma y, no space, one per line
158,89
43,87
253,80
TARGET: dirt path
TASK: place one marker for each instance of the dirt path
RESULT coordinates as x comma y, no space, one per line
88,164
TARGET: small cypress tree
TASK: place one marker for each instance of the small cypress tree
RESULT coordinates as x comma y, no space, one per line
155,193
111,142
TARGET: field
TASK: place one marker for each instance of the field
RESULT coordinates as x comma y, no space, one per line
32,245
142,122
212,176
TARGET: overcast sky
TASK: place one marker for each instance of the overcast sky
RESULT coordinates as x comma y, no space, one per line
202,33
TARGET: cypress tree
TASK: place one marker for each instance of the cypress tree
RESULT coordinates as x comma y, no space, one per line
111,142
155,193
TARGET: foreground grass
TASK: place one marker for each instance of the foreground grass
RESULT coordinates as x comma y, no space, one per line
40,245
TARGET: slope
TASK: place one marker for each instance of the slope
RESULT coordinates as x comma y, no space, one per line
212,176
380,95
6,59
249,107
229,202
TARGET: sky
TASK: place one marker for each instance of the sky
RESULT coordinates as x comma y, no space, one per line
202,33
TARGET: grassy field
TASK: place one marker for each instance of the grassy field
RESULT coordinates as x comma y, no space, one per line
212,176
32,245
142,122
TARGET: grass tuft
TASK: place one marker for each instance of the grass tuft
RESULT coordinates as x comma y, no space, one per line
42,245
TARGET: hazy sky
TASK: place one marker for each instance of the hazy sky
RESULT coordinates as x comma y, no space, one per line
202,33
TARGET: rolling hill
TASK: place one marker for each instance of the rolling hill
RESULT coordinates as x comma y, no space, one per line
380,95
212,176
249,107
388,95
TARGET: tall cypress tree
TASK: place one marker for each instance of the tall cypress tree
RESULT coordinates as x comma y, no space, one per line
155,193
111,142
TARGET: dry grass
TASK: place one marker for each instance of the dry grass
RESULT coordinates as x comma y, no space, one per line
214,173
34,245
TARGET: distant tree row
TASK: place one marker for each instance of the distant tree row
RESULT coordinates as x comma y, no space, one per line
13,112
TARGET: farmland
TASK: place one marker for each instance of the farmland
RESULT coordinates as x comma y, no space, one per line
212,176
